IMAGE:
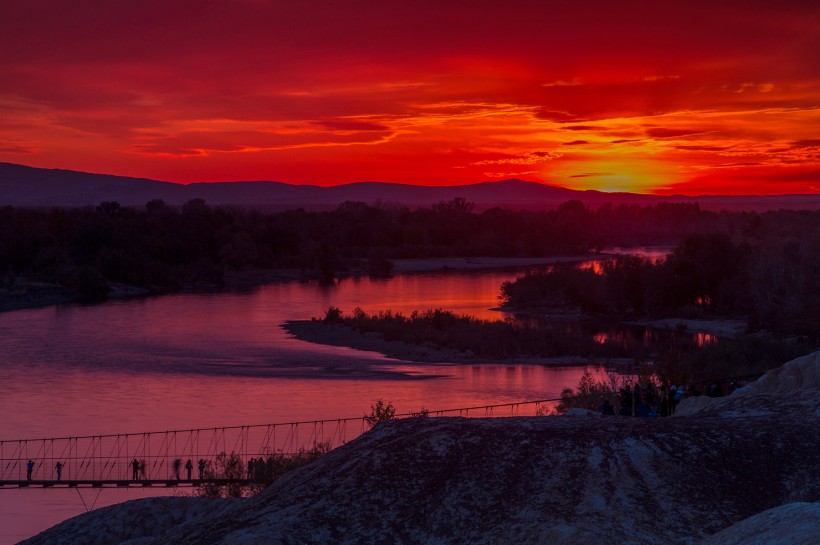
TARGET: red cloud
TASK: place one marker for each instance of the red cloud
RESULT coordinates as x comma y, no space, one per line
672,133
407,92
352,125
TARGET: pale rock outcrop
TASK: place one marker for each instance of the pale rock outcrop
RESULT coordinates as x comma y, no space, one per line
793,387
791,524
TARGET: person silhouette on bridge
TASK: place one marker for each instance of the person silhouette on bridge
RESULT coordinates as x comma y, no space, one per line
189,465
177,465
59,468
29,469
201,468
135,470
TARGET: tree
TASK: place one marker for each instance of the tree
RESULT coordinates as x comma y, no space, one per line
109,208
380,412
703,268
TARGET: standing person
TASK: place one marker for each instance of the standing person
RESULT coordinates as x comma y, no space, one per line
201,468
177,465
189,465
663,404
135,470
59,468
626,401
29,469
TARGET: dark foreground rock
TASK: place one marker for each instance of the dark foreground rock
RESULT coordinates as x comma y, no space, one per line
792,524
542,480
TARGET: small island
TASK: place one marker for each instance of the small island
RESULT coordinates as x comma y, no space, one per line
442,336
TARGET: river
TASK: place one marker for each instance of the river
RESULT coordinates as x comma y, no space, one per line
221,359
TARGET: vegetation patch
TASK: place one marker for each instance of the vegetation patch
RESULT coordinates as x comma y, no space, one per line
473,337
248,478
771,283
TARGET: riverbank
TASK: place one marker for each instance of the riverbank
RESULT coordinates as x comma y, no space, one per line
318,332
401,266
27,294
24,293
727,328
253,278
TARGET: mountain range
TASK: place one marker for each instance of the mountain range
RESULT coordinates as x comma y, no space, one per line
36,187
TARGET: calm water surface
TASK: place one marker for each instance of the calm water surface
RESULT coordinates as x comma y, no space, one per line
204,360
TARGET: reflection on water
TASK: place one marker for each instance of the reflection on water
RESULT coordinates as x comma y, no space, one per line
703,339
202,360
185,361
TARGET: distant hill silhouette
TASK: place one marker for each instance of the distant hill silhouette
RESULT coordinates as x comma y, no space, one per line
27,186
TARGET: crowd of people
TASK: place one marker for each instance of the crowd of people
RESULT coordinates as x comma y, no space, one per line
261,470
138,469
258,469
652,401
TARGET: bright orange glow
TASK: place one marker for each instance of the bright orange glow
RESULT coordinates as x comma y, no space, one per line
646,97
617,171
704,339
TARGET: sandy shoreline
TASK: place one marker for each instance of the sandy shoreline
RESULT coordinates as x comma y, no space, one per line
315,331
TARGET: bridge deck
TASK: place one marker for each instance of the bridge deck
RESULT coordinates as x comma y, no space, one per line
259,451
167,483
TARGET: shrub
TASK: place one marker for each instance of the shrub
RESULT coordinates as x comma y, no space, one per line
224,466
380,412
591,391
265,470
333,315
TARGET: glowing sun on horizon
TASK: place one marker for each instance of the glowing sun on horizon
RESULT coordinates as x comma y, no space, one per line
612,176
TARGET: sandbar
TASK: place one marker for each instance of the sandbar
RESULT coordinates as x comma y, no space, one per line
316,331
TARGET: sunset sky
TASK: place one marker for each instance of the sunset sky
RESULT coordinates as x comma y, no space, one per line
647,96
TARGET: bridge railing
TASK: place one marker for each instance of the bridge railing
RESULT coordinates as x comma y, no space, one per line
164,455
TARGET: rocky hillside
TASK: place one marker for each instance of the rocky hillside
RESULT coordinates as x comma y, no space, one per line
542,480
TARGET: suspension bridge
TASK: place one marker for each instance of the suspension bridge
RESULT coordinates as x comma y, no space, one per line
193,457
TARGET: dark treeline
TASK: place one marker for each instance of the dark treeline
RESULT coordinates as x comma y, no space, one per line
160,247
768,277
